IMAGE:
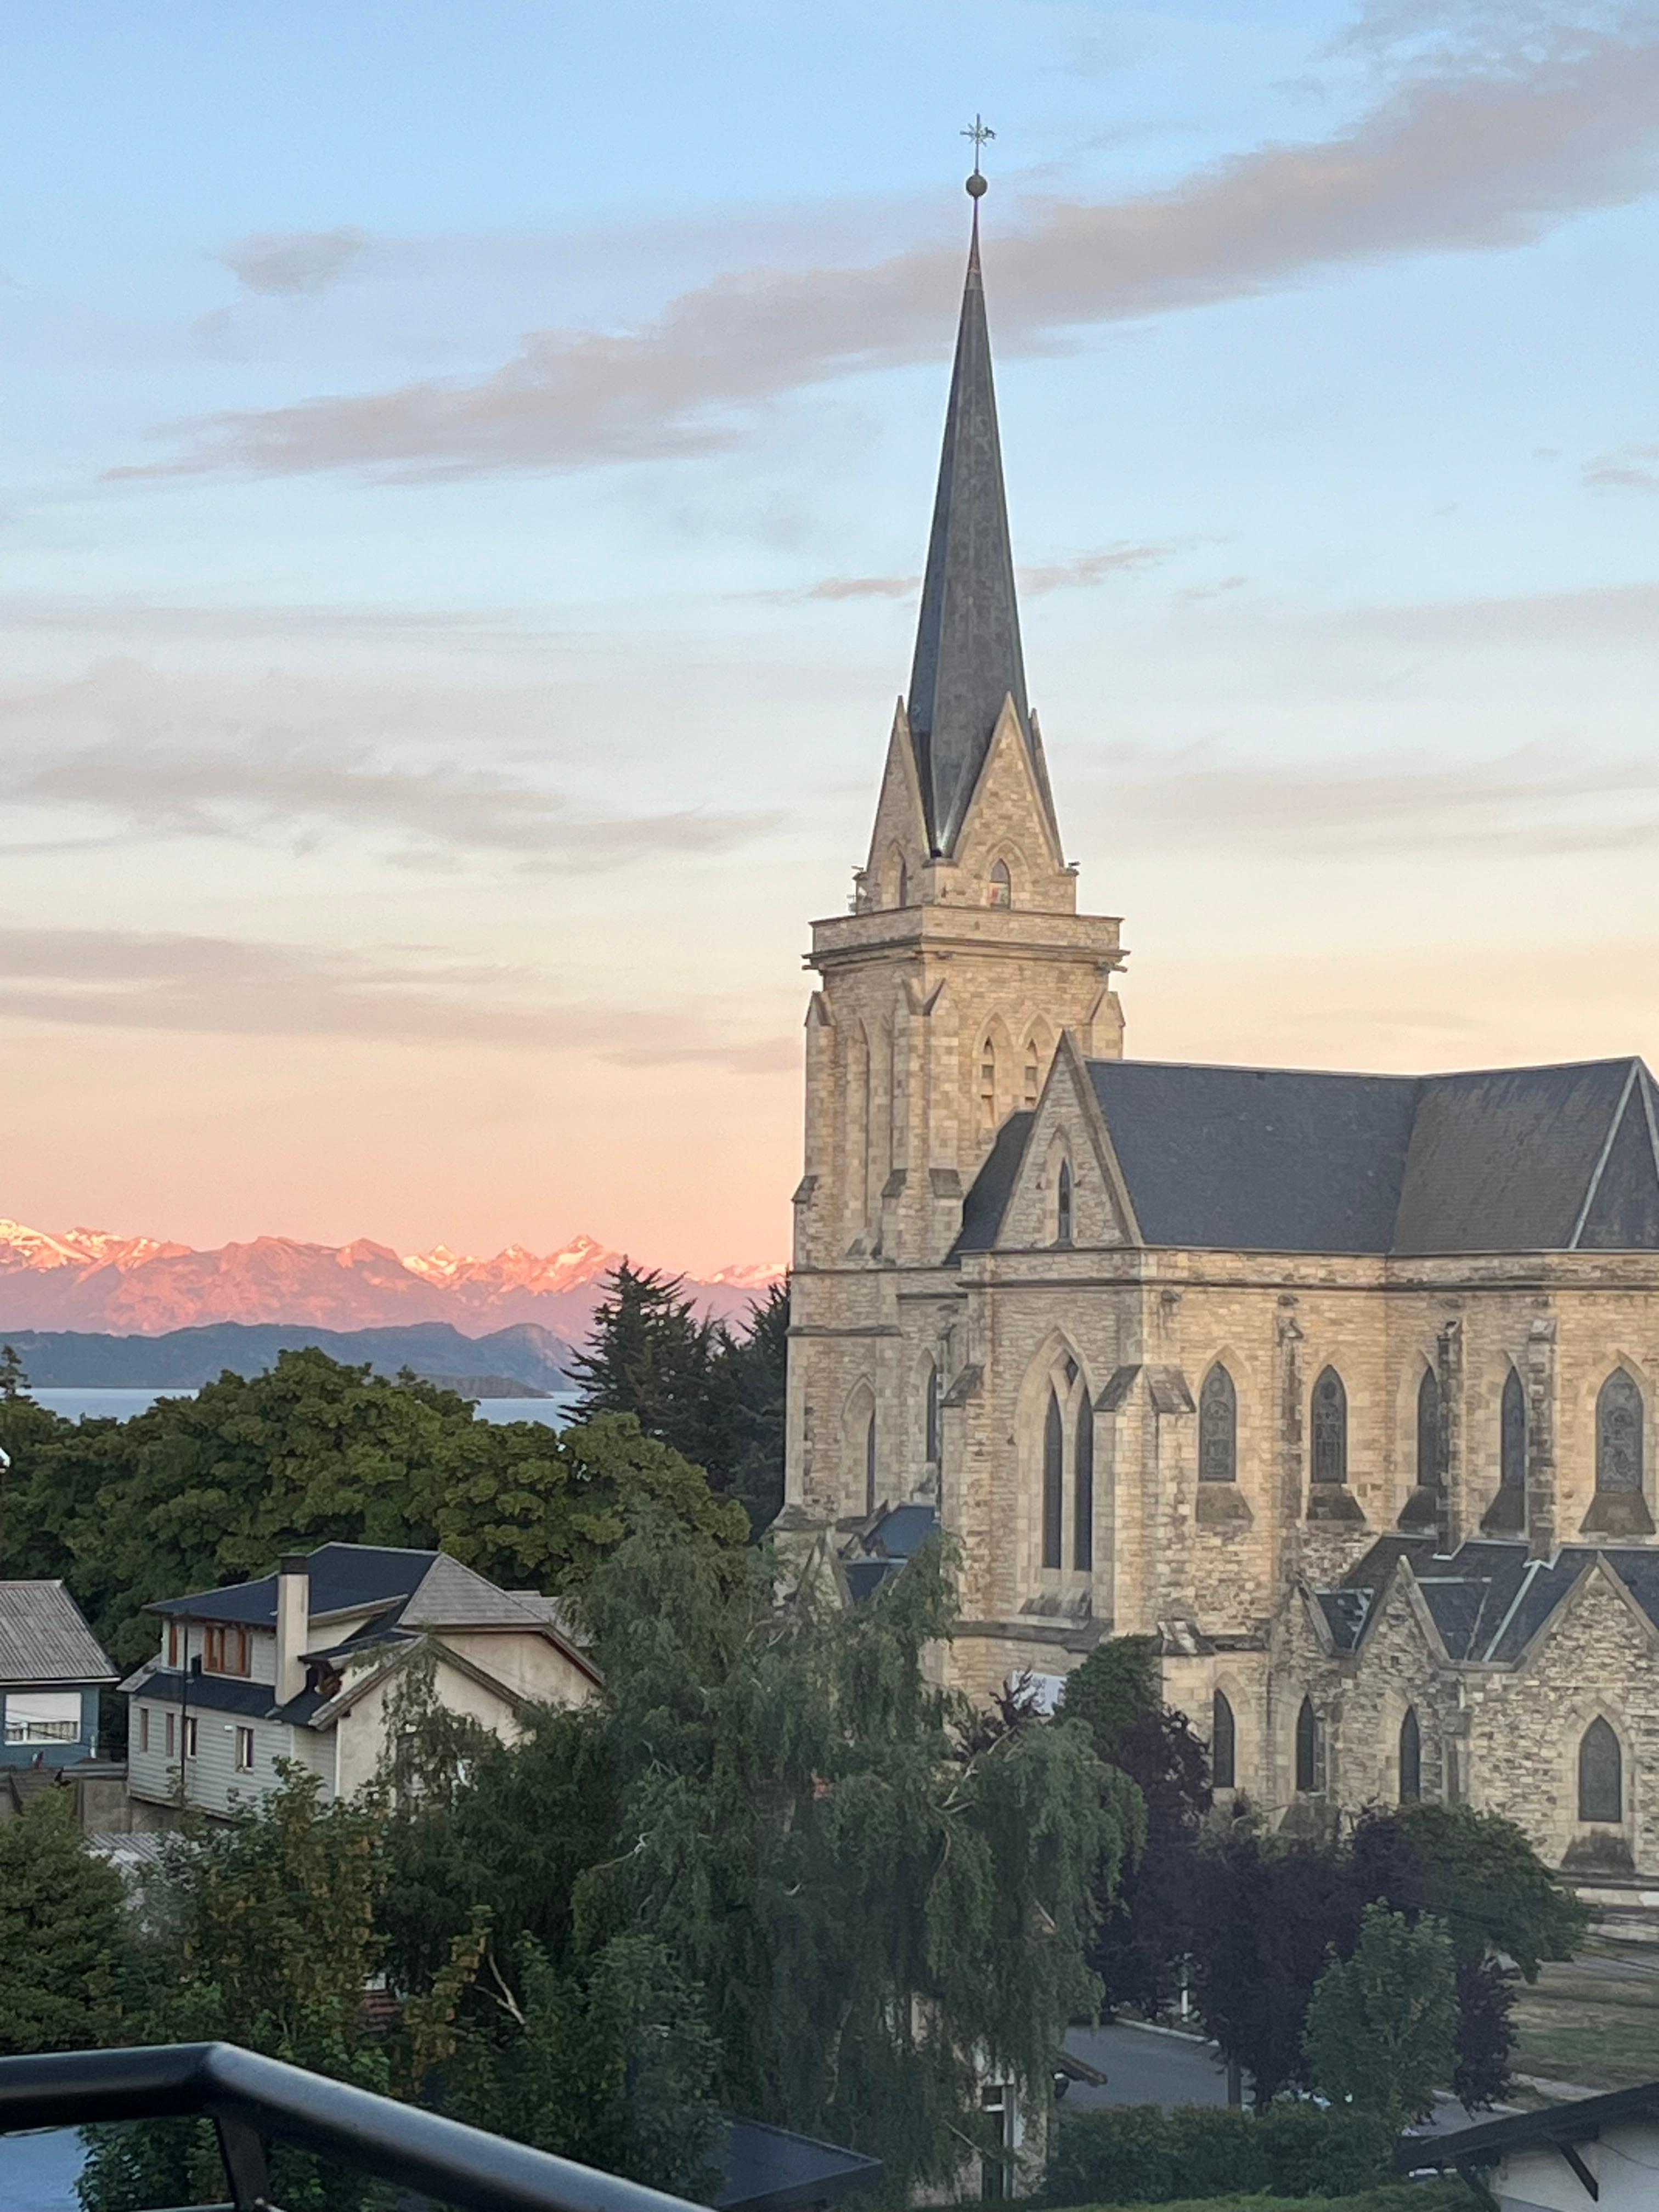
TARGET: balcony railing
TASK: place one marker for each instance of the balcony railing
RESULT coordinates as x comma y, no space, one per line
254,2101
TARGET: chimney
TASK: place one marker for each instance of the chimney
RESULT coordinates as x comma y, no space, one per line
293,1623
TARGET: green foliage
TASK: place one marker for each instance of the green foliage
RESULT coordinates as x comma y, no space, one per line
1489,1885
1389,2197
197,1491
1141,2153
1117,1685
63,1933
748,1373
1381,2031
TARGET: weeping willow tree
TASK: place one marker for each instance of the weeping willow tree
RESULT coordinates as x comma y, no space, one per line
877,1898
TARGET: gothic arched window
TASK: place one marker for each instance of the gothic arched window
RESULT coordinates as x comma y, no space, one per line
1512,1436
934,1455
988,1087
870,1466
1601,1775
1310,1751
1063,1210
1033,1075
1223,1743
1218,1427
1330,1428
1411,1758
1002,889
1618,1433
904,898
1053,1482
1430,1470
1083,1492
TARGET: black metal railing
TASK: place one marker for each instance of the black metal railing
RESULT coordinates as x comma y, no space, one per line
255,2101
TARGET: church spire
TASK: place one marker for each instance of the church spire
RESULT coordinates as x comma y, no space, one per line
967,659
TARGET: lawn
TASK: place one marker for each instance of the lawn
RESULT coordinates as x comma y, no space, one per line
1594,2021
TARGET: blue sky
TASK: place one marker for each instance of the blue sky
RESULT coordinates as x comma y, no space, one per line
463,473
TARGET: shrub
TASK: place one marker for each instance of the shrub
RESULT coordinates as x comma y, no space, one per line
1140,2154
1314,2152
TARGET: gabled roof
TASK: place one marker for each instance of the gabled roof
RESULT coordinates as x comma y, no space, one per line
1488,1600
1269,1159
45,1639
1488,2141
968,657
345,1578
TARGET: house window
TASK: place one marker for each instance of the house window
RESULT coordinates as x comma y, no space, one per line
1411,1758
245,1751
224,1651
1330,1428
1083,1506
172,1643
1223,1743
191,1730
1619,1450
1218,1427
1601,1775
934,1451
870,1466
1063,1206
143,1727
1002,889
1512,1441
1309,1752
170,1740
1430,1467
42,1715
1053,1482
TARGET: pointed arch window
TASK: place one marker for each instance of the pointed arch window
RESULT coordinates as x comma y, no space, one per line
1619,1439
1600,1774
1054,1483
1083,1490
1330,1428
1512,1436
1218,1427
988,1087
1310,1751
1033,1075
870,1466
903,887
1411,1758
1430,1467
1002,889
934,1454
1223,1743
1064,1209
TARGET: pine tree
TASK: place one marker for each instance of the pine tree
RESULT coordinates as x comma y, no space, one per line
749,1376
648,1355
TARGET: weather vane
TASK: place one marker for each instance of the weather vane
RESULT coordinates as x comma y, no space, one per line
981,134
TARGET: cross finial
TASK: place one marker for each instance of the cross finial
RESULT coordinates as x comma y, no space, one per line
981,134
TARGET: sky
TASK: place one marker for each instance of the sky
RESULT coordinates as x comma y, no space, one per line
464,475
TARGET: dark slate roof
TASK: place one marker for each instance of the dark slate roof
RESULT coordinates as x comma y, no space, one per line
866,1576
345,1578
1345,1611
44,1638
903,1530
1489,1600
224,1694
767,2169
1578,2121
1266,1159
968,657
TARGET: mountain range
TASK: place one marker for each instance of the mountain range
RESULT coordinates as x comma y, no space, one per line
89,1279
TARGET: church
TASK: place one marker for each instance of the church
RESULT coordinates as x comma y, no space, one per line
1341,1386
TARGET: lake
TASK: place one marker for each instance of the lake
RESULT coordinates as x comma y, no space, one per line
122,1405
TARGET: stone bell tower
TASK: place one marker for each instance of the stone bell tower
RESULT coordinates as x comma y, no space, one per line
946,987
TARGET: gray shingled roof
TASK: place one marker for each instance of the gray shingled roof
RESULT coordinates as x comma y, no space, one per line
968,657
451,1596
1487,1600
1268,1159
44,1638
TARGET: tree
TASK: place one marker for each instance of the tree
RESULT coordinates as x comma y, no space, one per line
749,1376
1484,1878
62,1932
1146,1933
1382,2028
647,1354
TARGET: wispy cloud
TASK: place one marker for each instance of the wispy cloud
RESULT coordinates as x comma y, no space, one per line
1631,468
1624,614
107,746
1490,147
1527,804
284,262
129,979
1078,571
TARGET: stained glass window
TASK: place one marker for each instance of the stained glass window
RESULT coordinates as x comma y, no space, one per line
1218,1427
1601,1775
1618,1433
1223,1743
1330,1428
1054,1480
1083,1473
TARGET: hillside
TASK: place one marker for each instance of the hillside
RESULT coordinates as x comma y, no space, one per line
183,1359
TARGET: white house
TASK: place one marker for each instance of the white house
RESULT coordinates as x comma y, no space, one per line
1597,2151
302,1665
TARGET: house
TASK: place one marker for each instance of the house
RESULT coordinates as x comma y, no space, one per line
304,1665
1596,2151
51,1669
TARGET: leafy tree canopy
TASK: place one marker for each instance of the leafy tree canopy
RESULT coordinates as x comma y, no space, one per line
1382,2030
63,1933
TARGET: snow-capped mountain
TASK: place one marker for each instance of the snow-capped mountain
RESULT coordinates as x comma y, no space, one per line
86,1279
